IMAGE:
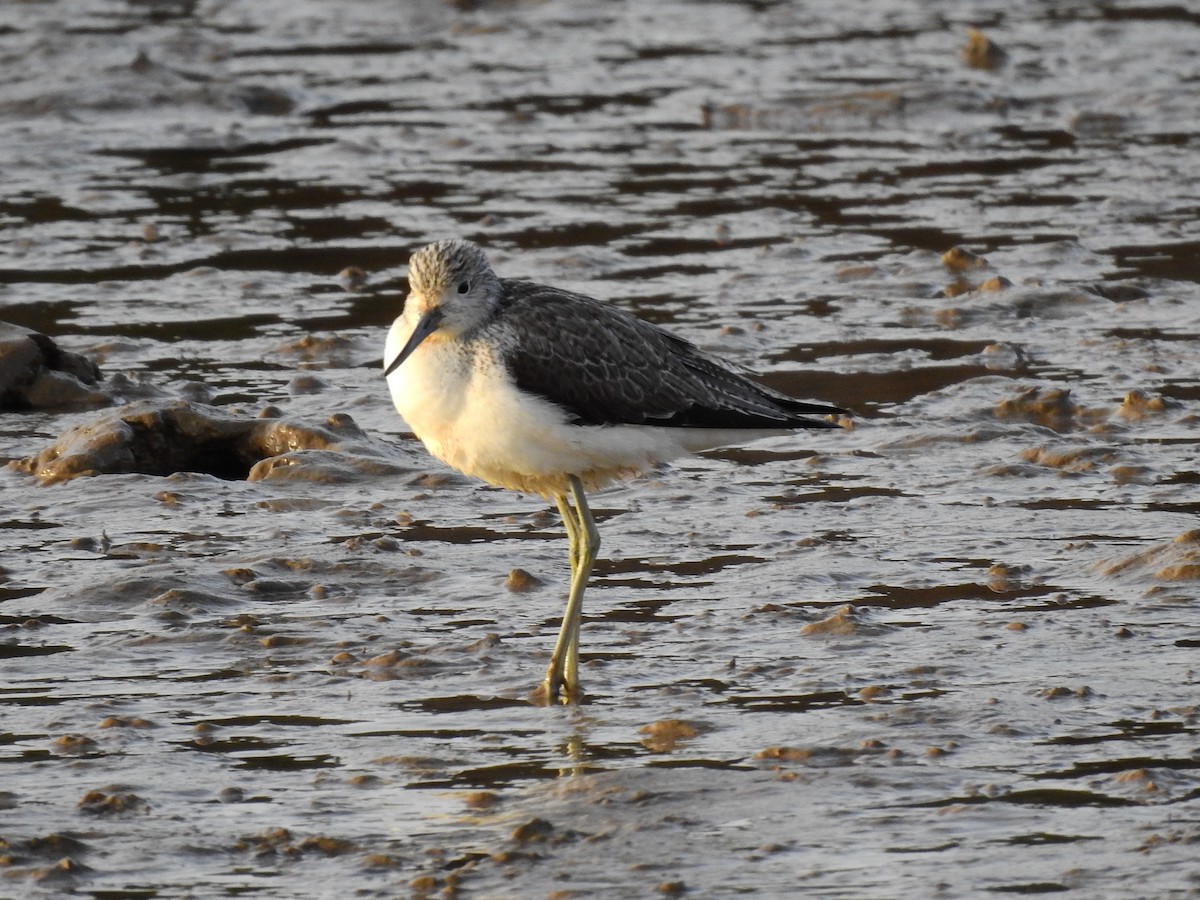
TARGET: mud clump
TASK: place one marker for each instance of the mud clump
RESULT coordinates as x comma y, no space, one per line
1177,560
536,830
1053,408
162,438
844,620
280,842
35,373
519,581
1074,460
1138,405
324,466
101,803
981,52
785,754
960,259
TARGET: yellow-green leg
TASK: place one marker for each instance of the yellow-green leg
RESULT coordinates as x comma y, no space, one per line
562,676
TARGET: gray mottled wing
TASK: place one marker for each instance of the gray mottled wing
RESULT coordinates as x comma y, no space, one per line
605,366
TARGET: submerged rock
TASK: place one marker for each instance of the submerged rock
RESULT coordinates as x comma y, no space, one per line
161,438
35,373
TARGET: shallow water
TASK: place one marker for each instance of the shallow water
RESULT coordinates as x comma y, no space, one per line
315,685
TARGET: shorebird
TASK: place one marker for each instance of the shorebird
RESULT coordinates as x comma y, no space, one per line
549,392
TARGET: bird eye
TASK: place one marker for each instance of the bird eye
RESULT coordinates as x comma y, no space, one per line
464,286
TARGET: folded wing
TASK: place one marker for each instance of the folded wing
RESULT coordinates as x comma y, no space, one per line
605,366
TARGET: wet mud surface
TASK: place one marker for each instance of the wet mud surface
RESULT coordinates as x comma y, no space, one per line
951,651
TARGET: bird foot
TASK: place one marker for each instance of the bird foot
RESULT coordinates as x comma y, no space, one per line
554,689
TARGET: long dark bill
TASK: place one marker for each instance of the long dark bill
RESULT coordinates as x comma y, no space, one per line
426,326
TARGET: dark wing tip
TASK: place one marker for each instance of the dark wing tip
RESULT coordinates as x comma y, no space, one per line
798,409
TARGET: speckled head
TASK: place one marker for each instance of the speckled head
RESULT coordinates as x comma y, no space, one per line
452,289
439,272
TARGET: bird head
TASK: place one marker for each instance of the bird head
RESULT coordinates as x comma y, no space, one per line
452,288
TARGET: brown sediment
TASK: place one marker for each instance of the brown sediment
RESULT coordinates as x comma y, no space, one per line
35,373
1052,407
844,620
960,259
667,734
1138,405
980,52
1177,560
519,581
1072,459
102,803
161,438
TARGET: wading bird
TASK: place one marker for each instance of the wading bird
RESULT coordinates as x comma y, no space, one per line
549,392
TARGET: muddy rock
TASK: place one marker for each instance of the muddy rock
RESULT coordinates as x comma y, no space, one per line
35,373
161,438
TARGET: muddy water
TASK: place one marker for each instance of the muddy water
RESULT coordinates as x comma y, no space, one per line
949,652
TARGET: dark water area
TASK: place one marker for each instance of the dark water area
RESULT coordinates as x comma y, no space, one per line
950,651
